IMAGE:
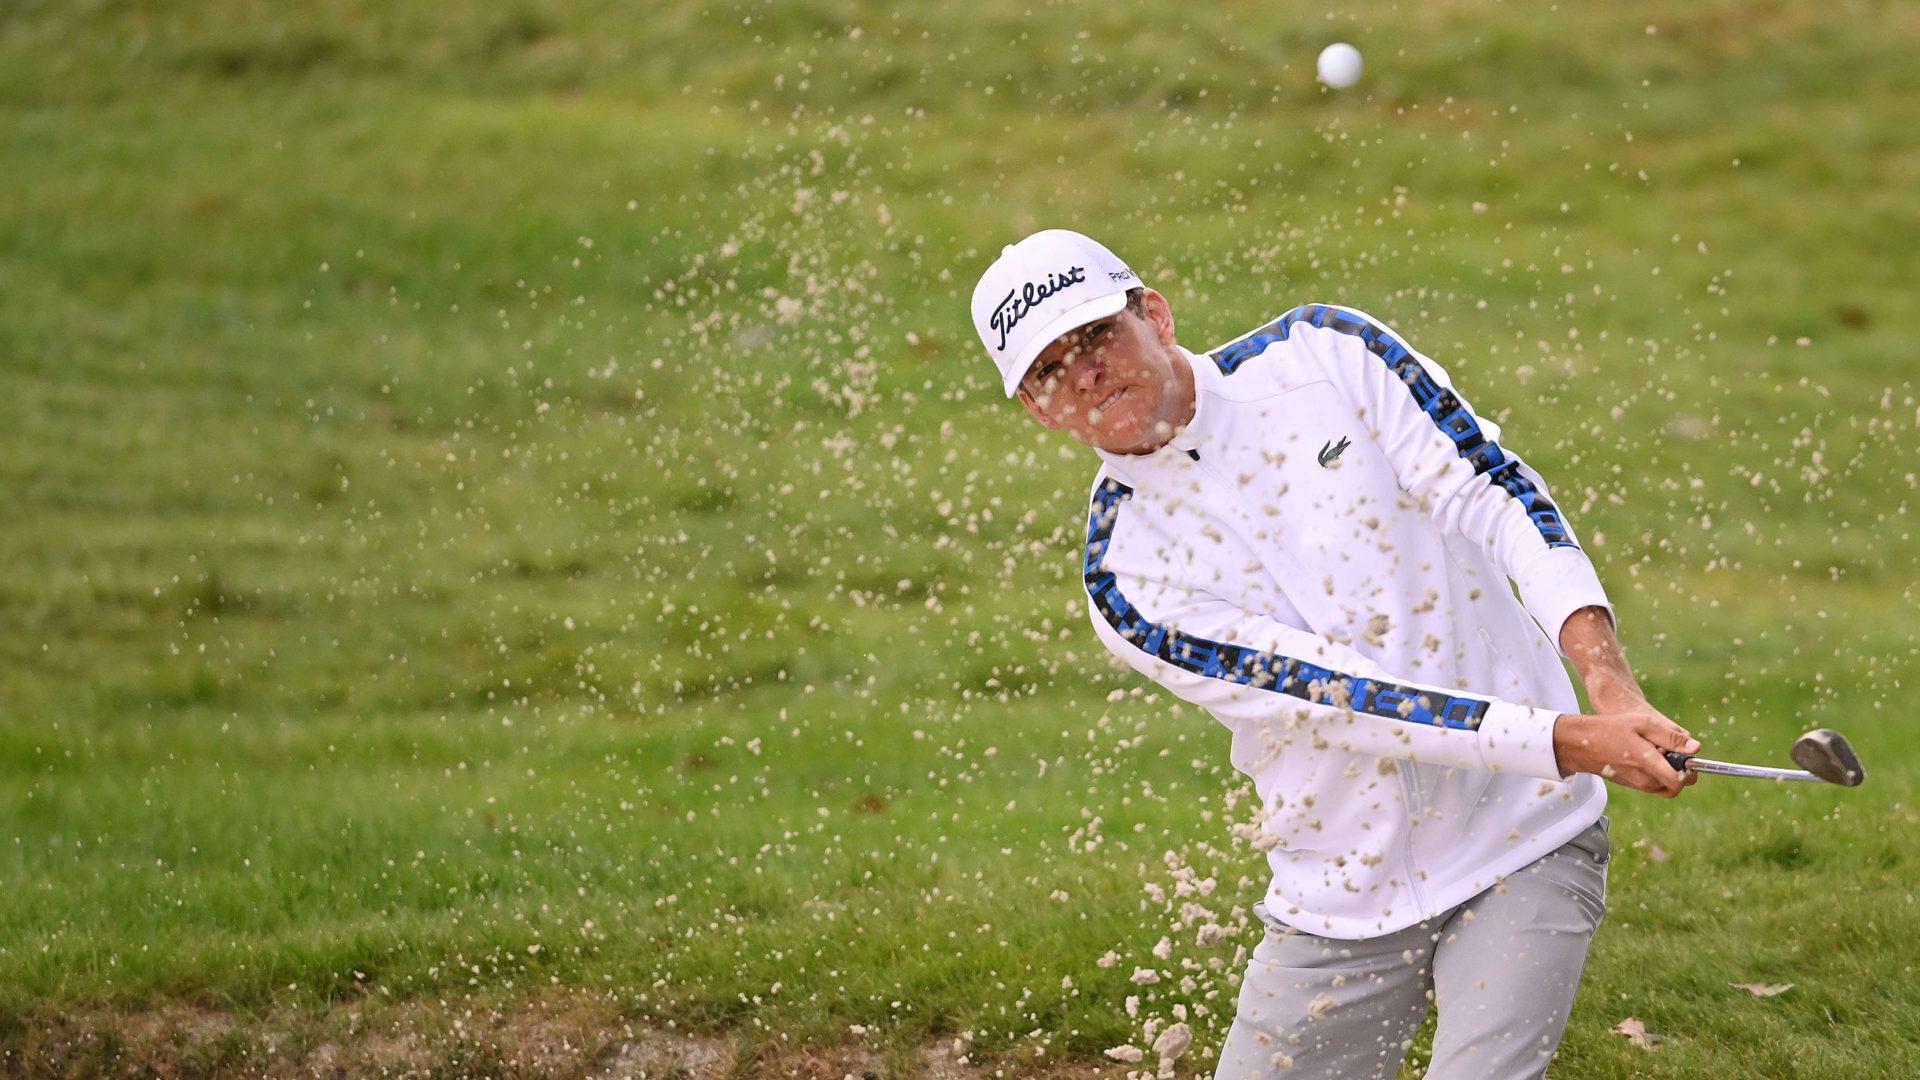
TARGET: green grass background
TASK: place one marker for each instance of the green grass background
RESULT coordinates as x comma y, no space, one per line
507,497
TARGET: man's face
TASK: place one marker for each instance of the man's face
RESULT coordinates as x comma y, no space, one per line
1117,384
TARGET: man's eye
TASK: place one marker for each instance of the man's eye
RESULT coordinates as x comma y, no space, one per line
1093,334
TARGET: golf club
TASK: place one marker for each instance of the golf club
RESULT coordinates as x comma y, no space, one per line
1824,755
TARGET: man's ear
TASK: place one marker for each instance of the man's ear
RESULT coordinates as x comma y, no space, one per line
1160,314
1039,413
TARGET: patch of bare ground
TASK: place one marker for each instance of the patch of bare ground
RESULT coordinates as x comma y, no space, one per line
558,1036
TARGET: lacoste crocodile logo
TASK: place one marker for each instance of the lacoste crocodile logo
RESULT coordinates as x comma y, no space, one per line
1331,452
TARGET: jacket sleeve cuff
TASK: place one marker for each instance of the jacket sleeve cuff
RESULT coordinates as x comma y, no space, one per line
1557,583
1518,739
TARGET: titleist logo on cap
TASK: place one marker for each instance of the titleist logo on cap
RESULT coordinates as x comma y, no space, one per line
1020,302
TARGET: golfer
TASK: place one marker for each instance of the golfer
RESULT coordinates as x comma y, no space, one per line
1309,533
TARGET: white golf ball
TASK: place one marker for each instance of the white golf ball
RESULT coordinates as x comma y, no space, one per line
1339,65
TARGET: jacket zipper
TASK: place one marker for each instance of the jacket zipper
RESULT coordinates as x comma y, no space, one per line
1415,805
1409,791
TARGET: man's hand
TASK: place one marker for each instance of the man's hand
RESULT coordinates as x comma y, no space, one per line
1624,741
1626,748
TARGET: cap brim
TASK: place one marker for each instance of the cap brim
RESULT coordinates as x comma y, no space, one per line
1071,319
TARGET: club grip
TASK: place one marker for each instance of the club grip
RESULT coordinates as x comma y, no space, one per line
1677,759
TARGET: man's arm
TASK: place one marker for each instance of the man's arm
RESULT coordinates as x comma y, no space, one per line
1624,740
1304,690
1449,457
1451,460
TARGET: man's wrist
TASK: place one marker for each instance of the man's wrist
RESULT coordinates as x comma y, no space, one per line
1612,692
1569,743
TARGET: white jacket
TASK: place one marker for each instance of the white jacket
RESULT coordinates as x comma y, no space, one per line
1321,560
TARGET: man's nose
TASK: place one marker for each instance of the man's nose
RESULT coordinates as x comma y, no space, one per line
1087,371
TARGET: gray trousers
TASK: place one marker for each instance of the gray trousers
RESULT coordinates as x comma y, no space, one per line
1501,968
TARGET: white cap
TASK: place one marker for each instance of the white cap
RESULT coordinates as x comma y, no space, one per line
1051,282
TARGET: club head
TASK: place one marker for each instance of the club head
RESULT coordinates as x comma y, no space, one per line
1825,754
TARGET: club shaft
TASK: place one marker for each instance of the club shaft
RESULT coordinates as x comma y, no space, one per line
1751,772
